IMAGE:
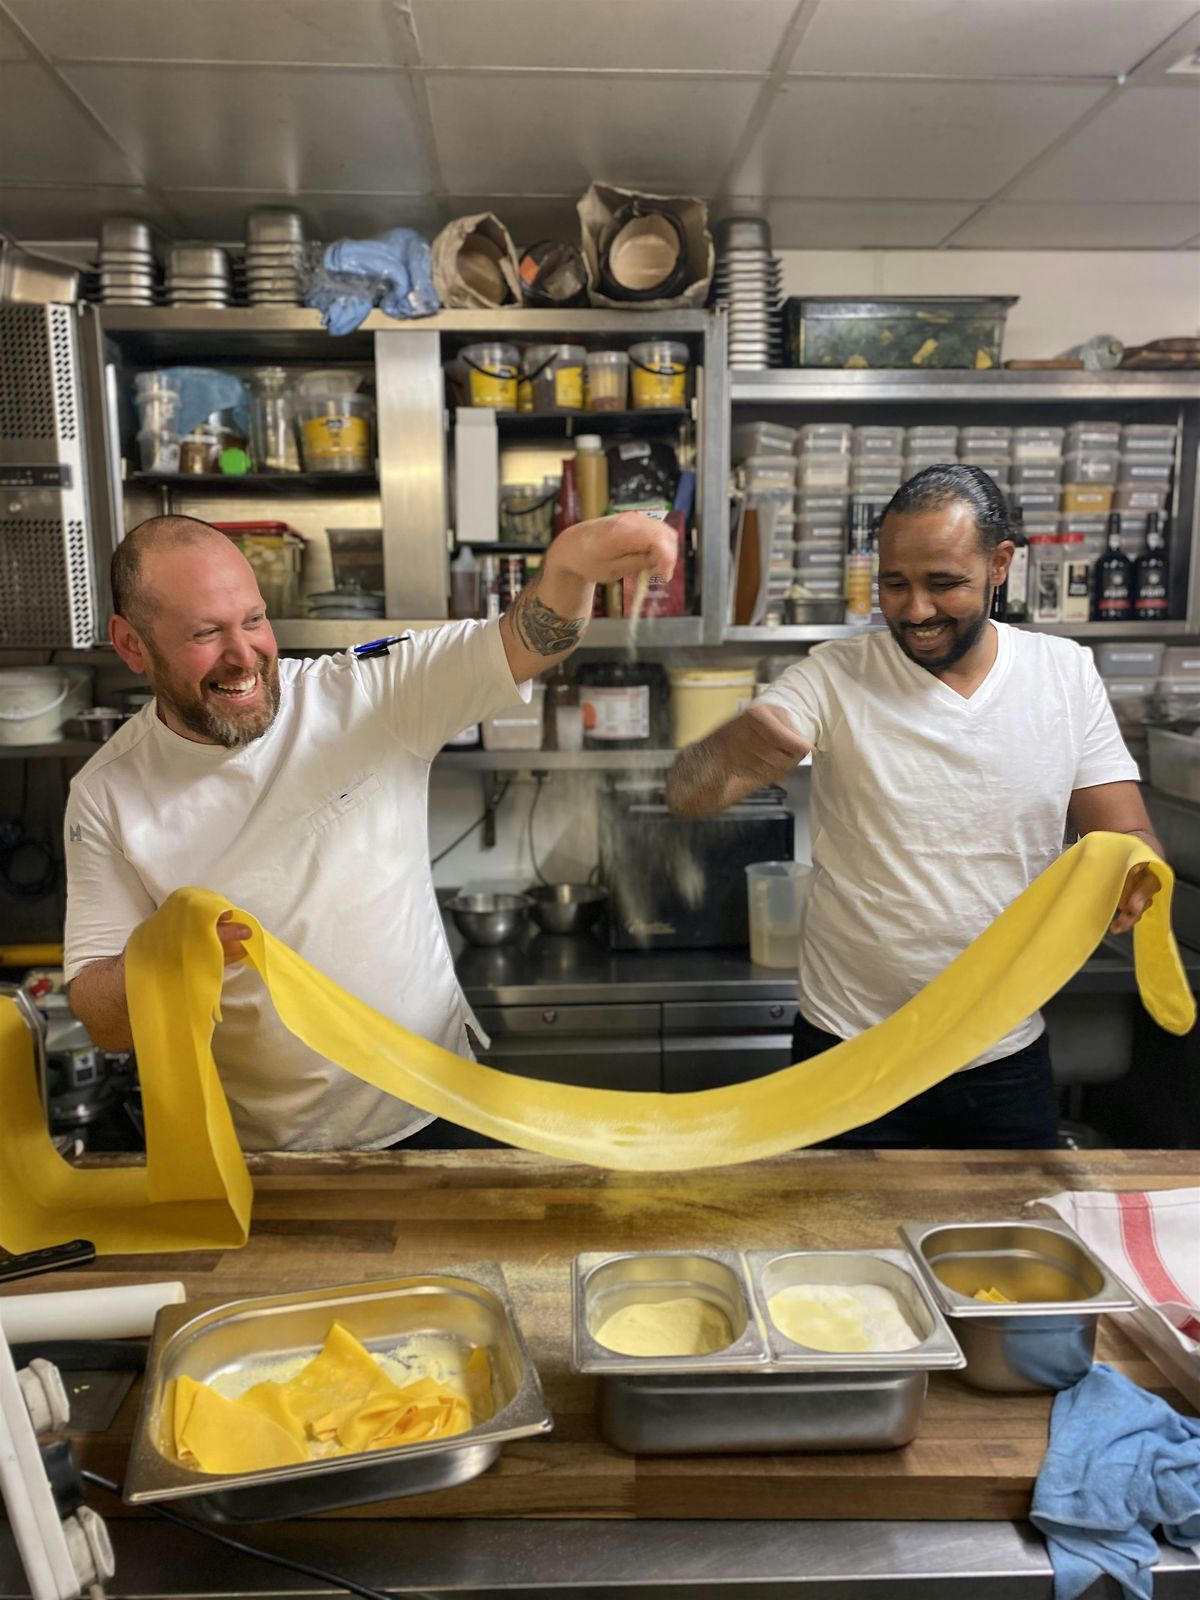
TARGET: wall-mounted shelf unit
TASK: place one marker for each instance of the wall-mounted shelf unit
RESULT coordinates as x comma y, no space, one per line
557,760
795,396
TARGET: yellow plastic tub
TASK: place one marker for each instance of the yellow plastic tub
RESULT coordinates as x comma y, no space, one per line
703,698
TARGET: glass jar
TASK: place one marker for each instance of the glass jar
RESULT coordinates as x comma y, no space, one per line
273,439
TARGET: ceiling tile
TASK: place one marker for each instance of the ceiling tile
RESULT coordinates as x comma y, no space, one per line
1080,227
986,38
352,32
553,135
1156,67
34,211
221,213
856,224
269,127
11,48
911,140
528,218
1145,145
46,137
676,35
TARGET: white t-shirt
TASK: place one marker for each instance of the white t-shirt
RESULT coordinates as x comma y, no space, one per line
930,812
319,829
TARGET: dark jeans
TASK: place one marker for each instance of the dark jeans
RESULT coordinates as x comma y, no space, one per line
1006,1105
442,1135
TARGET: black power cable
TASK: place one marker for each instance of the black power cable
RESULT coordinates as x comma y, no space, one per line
302,1567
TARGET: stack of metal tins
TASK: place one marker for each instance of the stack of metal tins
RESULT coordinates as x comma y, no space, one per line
128,270
748,281
274,257
198,275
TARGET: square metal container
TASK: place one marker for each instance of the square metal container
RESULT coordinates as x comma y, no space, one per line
208,1340
1045,1339
762,1393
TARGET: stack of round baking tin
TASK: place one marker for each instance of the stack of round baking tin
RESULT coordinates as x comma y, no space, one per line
198,275
274,257
748,281
128,271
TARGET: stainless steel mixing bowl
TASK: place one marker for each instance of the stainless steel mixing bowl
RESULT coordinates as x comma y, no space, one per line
490,918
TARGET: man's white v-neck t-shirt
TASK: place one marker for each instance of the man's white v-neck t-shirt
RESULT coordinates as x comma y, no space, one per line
319,829
931,812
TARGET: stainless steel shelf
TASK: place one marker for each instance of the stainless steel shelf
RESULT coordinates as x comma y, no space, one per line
802,633
605,633
1112,630
804,385
556,760
62,749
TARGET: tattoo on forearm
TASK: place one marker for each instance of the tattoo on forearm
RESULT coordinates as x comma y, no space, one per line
541,629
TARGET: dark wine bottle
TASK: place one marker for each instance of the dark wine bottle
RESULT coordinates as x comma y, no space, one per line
1113,579
1150,575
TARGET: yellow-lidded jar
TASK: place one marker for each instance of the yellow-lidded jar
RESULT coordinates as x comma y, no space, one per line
659,368
492,374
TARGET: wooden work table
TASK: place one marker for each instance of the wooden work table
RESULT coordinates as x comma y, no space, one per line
328,1219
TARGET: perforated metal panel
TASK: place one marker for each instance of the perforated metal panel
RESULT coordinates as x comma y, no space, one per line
46,585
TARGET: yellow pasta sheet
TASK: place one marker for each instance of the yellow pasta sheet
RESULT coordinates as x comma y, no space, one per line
194,1190
339,1403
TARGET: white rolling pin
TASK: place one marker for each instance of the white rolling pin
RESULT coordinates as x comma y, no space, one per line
126,1312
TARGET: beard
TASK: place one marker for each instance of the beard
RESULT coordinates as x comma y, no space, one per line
202,713
965,634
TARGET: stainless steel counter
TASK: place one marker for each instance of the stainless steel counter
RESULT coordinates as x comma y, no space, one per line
552,969
624,1560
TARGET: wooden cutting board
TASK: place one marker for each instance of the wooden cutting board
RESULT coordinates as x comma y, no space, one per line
338,1219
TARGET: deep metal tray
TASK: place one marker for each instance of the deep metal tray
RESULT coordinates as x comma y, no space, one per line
1045,1338
763,1392
209,1340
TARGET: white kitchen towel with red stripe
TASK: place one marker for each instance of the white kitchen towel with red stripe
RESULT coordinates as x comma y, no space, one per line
1151,1241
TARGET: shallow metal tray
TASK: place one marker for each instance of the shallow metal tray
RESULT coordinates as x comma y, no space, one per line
762,1393
1045,1338
210,1339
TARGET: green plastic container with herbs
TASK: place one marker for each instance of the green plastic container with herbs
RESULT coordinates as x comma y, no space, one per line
958,331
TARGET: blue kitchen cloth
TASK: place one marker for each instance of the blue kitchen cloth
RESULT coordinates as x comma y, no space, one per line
1120,1464
393,271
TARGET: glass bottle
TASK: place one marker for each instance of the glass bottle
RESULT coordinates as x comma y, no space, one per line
1150,572
1113,578
567,510
273,440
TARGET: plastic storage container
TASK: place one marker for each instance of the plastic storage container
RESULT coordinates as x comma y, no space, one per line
1034,474
1035,502
608,381
1092,436
819,503
769,472
826,436
519,728
1133,660
1089,498
660,373
871,440
1149,438
556,378
989,438
335,432
1181,660
1175,763
777,891
1037,444
824,469
955,331
930,436
762,439
492,373
623,704
1089,465
702,699
1141,496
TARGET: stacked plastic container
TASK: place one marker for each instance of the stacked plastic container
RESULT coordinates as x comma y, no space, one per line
1144,467
824,470
765,453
